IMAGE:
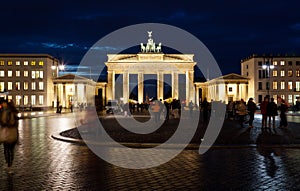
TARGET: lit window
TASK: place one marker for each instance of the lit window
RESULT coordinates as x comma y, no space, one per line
2,73
18,73
275,63
25,63
33,74
25,85
25,99
41,74
33,100
1,63
9,97
290,98
297,73
17,85
297,86
41,85
274,85
9,86
274,72
41,63
33,86
25,73
18,100
282,63
18,63
290,73
282,73
2,87
41,99
290,85
37,74
9,73
32,63
9,63
282,96
282,85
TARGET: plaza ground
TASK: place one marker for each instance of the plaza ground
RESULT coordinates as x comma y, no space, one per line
43,163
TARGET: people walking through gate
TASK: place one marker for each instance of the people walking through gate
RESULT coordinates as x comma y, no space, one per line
204,108
251,106
283,109
242,112
272,112
191,107
9,121
156,109
263,110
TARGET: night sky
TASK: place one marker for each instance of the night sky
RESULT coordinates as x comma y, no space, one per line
232,30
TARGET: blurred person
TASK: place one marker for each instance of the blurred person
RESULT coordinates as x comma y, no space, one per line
272,112
251,106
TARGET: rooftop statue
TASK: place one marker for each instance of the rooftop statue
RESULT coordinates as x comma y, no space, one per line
150,46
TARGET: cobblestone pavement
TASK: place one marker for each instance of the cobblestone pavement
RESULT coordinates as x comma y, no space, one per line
42,163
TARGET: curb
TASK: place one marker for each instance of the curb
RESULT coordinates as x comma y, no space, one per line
57,136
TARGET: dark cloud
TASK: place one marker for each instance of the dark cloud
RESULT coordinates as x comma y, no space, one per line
231,30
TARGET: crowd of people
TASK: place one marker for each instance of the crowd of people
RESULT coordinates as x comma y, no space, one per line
244,112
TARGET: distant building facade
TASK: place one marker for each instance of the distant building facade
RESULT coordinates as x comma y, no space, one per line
27,79
281,81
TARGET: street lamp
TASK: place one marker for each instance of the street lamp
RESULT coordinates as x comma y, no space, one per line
268,65
58,67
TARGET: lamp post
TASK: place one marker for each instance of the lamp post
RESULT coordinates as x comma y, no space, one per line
58,67
268,66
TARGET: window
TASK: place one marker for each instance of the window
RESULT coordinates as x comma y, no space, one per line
246,66
282,85
290,63
9,63
9,97
25,85
260,63
267,85
290,73
37,74
33,100
9,86
25,63
247,74
41,74
282,63
18,73
18,86
25,73
297,63
297,73
297,86
282,96
41,99
290,85
25,99
282,73
33,74
230,89
275,63
9,73
32,63
41,85
259,74
18,100
41,63
274,72
290,98
274,85
33,87
1,63
2,87
2,73
259,85
18,63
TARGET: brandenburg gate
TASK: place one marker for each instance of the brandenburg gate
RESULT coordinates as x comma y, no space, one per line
151,60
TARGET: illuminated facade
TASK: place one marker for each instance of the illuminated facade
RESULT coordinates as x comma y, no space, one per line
282,80
27,79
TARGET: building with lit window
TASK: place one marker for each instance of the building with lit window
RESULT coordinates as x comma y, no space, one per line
27,79
278,76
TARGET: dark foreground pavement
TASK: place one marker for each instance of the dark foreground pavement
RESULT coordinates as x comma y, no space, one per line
43,163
